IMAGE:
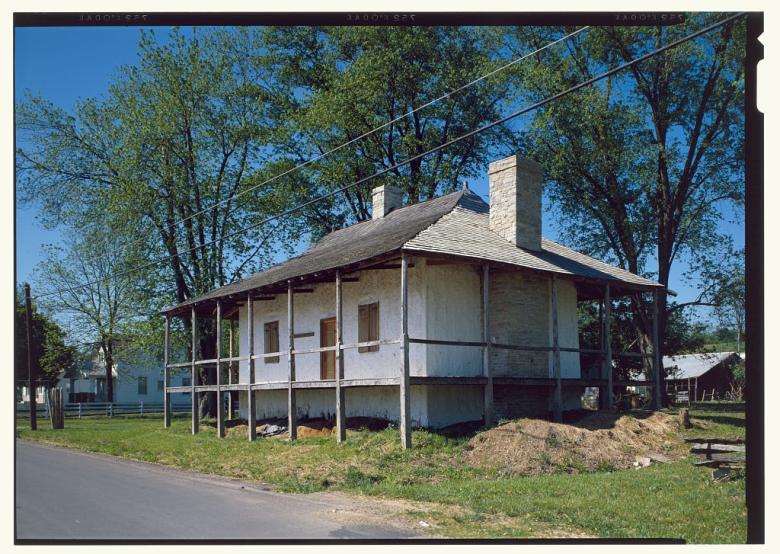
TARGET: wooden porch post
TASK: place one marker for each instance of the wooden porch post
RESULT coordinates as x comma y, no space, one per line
220,400
166,377
488,403
657,361
405,423
557,400
230,368
292,415
250,348
193,378
341,430
608,347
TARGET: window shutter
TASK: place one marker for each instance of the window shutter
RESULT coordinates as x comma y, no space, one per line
363,324
271,341
374,325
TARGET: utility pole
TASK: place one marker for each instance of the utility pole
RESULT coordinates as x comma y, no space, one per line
30,377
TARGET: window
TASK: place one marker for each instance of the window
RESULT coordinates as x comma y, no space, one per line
186,381
160,385
142,385
271,341
368,326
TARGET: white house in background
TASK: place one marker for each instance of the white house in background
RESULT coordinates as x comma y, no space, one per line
450,310
139,378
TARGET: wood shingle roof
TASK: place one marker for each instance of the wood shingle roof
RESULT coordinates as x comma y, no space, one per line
455,224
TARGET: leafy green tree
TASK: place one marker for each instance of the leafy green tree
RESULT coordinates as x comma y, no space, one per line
177,136
334,85
50,354
642,166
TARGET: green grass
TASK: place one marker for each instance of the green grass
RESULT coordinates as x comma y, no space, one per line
676,500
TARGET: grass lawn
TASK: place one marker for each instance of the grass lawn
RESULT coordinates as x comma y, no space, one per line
675,500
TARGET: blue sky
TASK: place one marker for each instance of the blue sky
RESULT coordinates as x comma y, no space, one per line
66,64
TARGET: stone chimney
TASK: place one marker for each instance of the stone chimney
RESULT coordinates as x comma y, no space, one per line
385,199
516,201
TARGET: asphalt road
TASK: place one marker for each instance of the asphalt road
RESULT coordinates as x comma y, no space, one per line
64,494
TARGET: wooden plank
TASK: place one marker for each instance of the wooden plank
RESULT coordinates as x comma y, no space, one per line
383,342
166,375
292,409
700,447
220,400
341,430
206,388
304,335
657,367
488,392
503,346
557,395
193,381
721,440
180,364
404,388
376,382
446,342
250,336
607,365
235,386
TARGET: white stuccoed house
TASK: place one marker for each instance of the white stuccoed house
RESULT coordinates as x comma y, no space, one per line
440,312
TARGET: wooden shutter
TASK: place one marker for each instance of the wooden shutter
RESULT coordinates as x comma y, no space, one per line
271,341
368,326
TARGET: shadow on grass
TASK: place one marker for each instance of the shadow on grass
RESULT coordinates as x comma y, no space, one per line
722,420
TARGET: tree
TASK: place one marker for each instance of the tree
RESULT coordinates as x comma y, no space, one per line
642,166
50,355
176,137
87,284
335,85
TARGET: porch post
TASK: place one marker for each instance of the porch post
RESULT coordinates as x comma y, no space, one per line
557,402
488,402
405,423
656,356
608,346
193,380
250,394
230,368
341,431
166,379
220,400
292,415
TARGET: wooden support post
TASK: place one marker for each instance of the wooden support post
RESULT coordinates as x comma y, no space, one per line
220,400
230,369
405,423
166,377
193,378
657,360
341,430
250,348
32,387
488,397
608,347
292,410
557,400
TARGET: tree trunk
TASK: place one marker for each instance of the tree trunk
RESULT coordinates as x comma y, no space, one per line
108,354
207,401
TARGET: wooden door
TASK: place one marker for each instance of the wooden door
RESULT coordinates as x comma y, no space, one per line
328,338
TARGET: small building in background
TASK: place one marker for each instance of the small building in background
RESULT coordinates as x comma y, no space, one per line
706,375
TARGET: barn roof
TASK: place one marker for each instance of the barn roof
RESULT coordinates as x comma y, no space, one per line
685,366
455,224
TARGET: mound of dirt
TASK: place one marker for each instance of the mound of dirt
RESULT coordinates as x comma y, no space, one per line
601,440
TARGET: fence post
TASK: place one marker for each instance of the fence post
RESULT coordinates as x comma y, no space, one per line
79,410
111,409
142,407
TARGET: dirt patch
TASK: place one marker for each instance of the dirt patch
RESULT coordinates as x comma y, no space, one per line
599,441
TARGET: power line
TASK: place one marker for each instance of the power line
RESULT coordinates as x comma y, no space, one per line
471,133
371,132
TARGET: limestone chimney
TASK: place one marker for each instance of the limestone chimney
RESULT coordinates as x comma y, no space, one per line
516,201
385,199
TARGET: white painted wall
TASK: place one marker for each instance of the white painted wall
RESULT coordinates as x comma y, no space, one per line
382,286
568,336
444,303
454,303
